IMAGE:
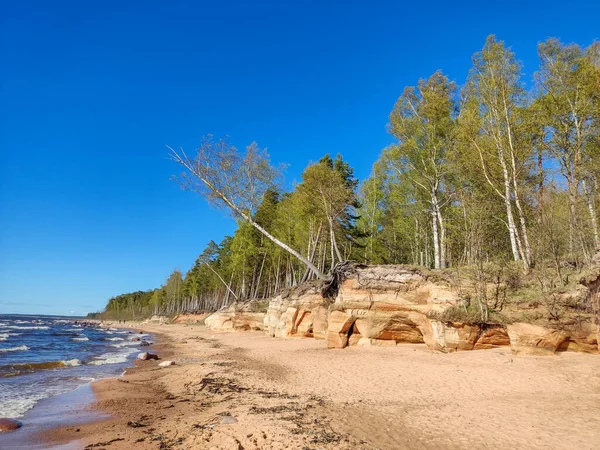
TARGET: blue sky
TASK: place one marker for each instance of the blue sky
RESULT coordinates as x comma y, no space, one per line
91,92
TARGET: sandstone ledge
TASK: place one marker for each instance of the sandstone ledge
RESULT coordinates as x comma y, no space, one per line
390,305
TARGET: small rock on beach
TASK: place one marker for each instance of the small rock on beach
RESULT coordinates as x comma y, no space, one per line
146,356
167,364
9,425
227,420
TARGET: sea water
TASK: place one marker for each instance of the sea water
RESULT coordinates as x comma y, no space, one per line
43,356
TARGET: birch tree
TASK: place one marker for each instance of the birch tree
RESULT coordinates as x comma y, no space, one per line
494,95
569,84
236,180
422,122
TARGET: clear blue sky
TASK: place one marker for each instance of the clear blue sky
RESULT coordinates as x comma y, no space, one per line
91,92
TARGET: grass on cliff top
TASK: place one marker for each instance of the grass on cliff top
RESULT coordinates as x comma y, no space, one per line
504,294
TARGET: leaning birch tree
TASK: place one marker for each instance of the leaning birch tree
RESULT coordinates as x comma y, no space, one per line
228,178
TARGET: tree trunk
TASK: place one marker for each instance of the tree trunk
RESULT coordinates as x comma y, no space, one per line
592,210
512,229
188,165
436,241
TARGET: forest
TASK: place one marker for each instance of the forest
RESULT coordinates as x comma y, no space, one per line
491,180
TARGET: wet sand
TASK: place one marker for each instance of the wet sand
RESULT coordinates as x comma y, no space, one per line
297,394
69,409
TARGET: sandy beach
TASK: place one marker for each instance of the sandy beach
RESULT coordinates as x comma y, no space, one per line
245,390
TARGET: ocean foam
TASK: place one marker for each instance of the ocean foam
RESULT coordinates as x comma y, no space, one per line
125,344
113,357
16,407
15,349
14,327
80,339
3,336
72,362
113,339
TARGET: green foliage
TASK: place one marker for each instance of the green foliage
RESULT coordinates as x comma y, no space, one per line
496,186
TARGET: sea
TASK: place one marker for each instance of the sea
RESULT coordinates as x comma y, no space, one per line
43,356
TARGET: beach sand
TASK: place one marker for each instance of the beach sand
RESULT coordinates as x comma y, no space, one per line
296,394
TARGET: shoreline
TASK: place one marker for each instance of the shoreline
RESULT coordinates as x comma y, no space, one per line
246,390
68,409
79,435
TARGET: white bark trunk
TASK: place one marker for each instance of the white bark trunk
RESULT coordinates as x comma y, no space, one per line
512,229
592,211
436,241
222,280
188,165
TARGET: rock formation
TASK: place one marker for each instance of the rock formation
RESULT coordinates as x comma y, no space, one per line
299,311
387,303
526,338
167,364
190,318
9,425
390,305
592,283
147,356
238,317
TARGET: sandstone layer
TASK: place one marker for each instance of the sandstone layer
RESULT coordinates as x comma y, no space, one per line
237,317
390,305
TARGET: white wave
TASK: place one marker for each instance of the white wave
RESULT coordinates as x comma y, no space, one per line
80,339
16,407
22,321
113,357
113,329
125,344
72,329
109,332
113,339
15,349
72,362
86,378
3,336
14,327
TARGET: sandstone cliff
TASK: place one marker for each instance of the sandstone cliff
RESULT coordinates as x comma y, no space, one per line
238,317
390,305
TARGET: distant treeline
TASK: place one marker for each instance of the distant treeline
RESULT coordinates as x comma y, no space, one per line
491,173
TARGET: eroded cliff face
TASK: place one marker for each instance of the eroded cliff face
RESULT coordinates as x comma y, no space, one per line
390,305
237,317
298,312
592,282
